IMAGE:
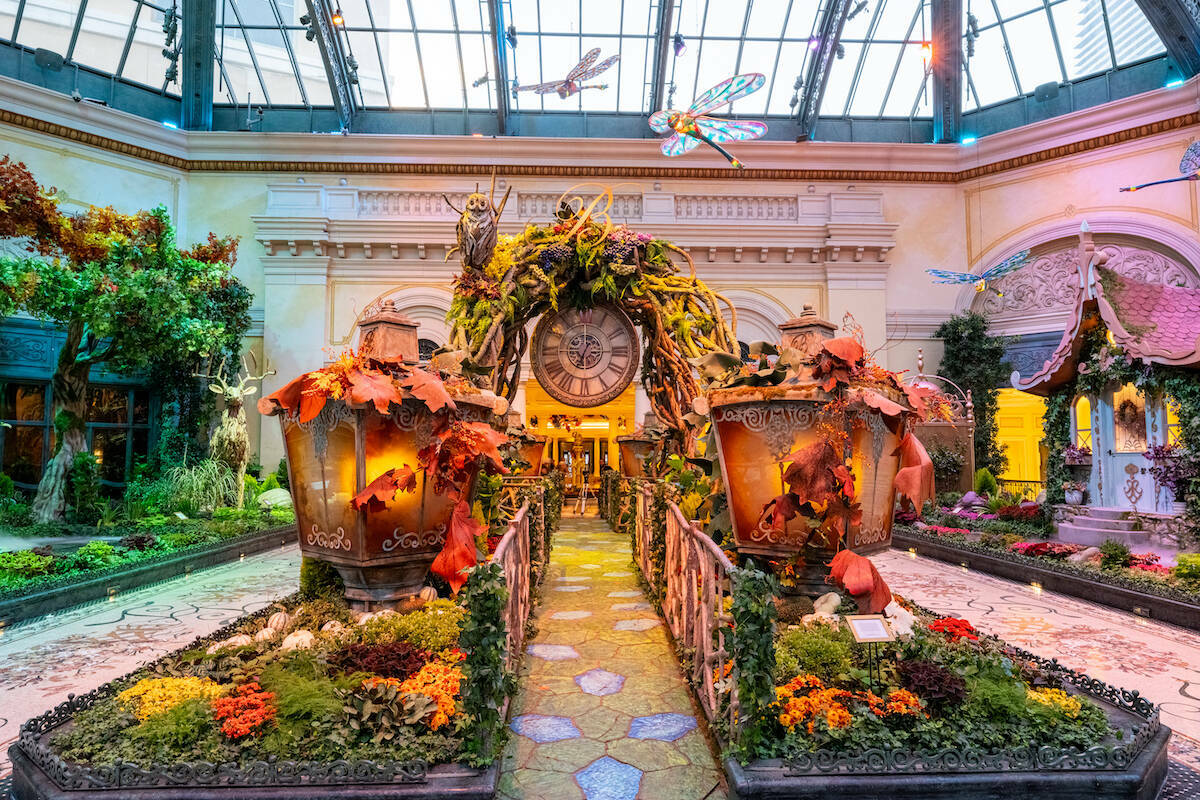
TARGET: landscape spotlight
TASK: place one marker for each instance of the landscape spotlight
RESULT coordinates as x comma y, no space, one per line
680,45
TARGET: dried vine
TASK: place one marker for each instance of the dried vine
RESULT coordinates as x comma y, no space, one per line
580,261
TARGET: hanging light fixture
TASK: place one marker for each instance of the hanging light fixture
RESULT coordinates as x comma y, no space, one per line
680,44
337,18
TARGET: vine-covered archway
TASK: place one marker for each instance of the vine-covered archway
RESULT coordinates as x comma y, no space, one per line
582,260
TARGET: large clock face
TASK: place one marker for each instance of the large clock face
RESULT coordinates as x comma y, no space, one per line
585,358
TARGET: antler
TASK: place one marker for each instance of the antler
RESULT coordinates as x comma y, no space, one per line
218,379
251,376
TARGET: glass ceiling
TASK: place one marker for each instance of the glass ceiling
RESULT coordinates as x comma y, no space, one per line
437,54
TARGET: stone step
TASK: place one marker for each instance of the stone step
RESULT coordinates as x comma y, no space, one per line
1104,523
1094,537
1100,512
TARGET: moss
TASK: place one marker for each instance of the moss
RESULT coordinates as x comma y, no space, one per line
435,626
319,579
820,651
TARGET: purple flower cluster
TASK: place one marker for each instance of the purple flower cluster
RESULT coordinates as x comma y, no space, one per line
556,253
622,242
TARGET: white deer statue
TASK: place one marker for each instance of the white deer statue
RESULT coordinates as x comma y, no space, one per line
230,442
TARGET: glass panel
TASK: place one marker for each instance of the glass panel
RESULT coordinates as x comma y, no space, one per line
1033,50
1129,420
107,405
989,68
24,402
141,407
1083,422
910,81
108,448
443,70
102,35
49,25
23,453
1081,33
141,445
1172,421
1133,38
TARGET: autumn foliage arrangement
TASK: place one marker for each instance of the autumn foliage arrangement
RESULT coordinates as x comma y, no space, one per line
457,449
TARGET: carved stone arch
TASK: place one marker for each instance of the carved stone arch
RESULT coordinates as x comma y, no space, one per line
427,306
758,315
1041,296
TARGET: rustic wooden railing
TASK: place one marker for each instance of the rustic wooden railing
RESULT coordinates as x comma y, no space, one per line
512,554
695,584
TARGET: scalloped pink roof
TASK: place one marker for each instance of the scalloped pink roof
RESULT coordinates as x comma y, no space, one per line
1152,322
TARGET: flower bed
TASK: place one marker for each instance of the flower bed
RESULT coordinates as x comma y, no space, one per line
304,694
1146,588
42,584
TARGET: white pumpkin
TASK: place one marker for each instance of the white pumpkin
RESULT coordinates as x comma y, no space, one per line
241,640
386,612
298,640
428,594
266,635
333,626
279,621
364,619
212,648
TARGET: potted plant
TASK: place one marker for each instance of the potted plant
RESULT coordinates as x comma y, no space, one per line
638,447
1073,492
814,448
382,456
1173,468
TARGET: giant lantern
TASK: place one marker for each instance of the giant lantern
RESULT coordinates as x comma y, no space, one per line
636,448
814,461
363,438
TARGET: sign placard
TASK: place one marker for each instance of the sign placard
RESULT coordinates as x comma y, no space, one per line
870,628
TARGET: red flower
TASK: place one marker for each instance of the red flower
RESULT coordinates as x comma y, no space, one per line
955,629
245,711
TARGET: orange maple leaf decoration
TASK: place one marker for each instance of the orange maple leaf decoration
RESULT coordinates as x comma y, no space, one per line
429,388
459,552
858,576
815,472
381,491
370,386
914,480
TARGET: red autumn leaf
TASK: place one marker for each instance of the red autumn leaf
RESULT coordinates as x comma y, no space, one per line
487,441
286,399
916,398
369,386
459,552
858,576
845,348
779,511
312,400
428,387
914,480
874,399
810,472
840,516
381,491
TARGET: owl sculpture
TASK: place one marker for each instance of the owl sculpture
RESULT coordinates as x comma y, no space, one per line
477,227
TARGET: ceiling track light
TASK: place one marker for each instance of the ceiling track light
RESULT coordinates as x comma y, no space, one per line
480,81
841,50
858,9
679,44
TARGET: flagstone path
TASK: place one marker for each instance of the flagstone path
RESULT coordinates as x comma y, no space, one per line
603,711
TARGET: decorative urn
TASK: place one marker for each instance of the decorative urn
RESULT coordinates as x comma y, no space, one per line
636,448
530,446
382,551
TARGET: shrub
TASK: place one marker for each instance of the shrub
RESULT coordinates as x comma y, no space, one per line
1114,555
932,682
93,555
948,499
392,660
319,579
1000,699
820,651
85,488
139,540
281,474
1187,569
178,540
8,489
985,482
203,487
947,466
434,627
26,563
18,515
179,729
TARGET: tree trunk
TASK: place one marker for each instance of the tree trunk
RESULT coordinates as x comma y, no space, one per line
69,387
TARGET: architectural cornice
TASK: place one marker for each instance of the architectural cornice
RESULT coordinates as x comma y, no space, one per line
54,114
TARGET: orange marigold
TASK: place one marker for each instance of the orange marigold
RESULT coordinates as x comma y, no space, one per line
246,711
439,682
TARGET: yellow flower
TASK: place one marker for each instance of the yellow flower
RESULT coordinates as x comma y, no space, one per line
151,696
1057,699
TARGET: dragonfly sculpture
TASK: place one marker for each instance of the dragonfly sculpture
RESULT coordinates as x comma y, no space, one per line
984,279
1189,169
691,127
573,83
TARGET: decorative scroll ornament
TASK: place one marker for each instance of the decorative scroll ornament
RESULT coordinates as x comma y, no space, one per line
776,422
333,414
333,541
412,540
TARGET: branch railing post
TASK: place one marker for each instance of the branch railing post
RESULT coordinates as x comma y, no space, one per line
512,554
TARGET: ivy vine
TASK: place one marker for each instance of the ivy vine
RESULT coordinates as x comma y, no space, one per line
753,649
974,360
487,681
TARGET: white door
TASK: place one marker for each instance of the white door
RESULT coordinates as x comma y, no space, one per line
1127,482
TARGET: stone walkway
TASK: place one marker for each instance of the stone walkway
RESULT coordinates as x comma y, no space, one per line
604,712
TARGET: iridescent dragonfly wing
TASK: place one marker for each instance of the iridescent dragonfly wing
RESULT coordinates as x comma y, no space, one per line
542,88
660,121
596,70
727,91
947,276
589,58
1190,163
679,144
729,130
1010,264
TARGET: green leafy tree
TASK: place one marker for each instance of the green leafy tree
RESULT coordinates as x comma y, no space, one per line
975,360
124,293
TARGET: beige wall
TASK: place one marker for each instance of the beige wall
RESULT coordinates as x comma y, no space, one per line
311,297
